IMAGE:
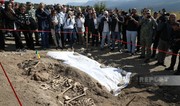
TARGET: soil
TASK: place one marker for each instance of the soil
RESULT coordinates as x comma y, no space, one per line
41,82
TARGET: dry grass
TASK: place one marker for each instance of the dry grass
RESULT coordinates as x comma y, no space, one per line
178,15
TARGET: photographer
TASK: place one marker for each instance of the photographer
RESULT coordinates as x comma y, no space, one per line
131,33
116,25
69,27
105,29
31,11
148,24
43,17
11,20
80,27
26,23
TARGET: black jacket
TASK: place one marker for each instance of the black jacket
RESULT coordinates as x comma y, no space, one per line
166,31
114,22
101,25
92,25
23,19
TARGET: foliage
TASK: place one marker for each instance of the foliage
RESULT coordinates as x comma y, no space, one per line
100,6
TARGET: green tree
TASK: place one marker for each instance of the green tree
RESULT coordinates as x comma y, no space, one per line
99,7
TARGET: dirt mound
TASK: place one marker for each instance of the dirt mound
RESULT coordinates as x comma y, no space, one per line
71,86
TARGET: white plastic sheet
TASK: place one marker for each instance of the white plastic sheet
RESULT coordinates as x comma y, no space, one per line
109,77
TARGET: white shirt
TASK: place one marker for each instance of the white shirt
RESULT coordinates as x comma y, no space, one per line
80,22
61,17
117,27
96,23
69,23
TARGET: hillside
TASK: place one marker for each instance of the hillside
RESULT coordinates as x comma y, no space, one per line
170,5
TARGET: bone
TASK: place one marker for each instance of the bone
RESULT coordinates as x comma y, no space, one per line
68,82
71,86
84,94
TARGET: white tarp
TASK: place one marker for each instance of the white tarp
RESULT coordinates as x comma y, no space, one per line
109,77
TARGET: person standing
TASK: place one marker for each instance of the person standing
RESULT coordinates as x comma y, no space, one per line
53,24
69,27
156,36
2,39
116,25
175,47
80,19
166,31
105,27
61,12
131,33
94,27
11,23
32,12
147,25
26,23
43,17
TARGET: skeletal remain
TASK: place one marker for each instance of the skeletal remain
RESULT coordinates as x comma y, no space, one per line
86,102
62,104
62,93
68,82
78,88
84,94
37,64
66,98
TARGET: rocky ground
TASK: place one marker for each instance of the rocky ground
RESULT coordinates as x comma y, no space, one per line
49,82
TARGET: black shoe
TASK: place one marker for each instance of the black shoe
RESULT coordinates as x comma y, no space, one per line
160,64
146,60
101,49
177,72
169,69
153,56
141,57
127,52
132,54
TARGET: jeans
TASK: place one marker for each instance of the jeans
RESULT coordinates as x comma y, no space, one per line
71,36
131,37
116,36
104,34
45,39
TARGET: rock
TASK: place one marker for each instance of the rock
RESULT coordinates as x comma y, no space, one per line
43,76
89,54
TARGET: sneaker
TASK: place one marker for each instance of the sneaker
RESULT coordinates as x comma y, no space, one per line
169,69
120,51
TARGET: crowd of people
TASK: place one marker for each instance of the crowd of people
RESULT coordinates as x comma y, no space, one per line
66,25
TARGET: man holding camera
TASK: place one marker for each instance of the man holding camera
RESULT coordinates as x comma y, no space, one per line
148,23
166,32
116,24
